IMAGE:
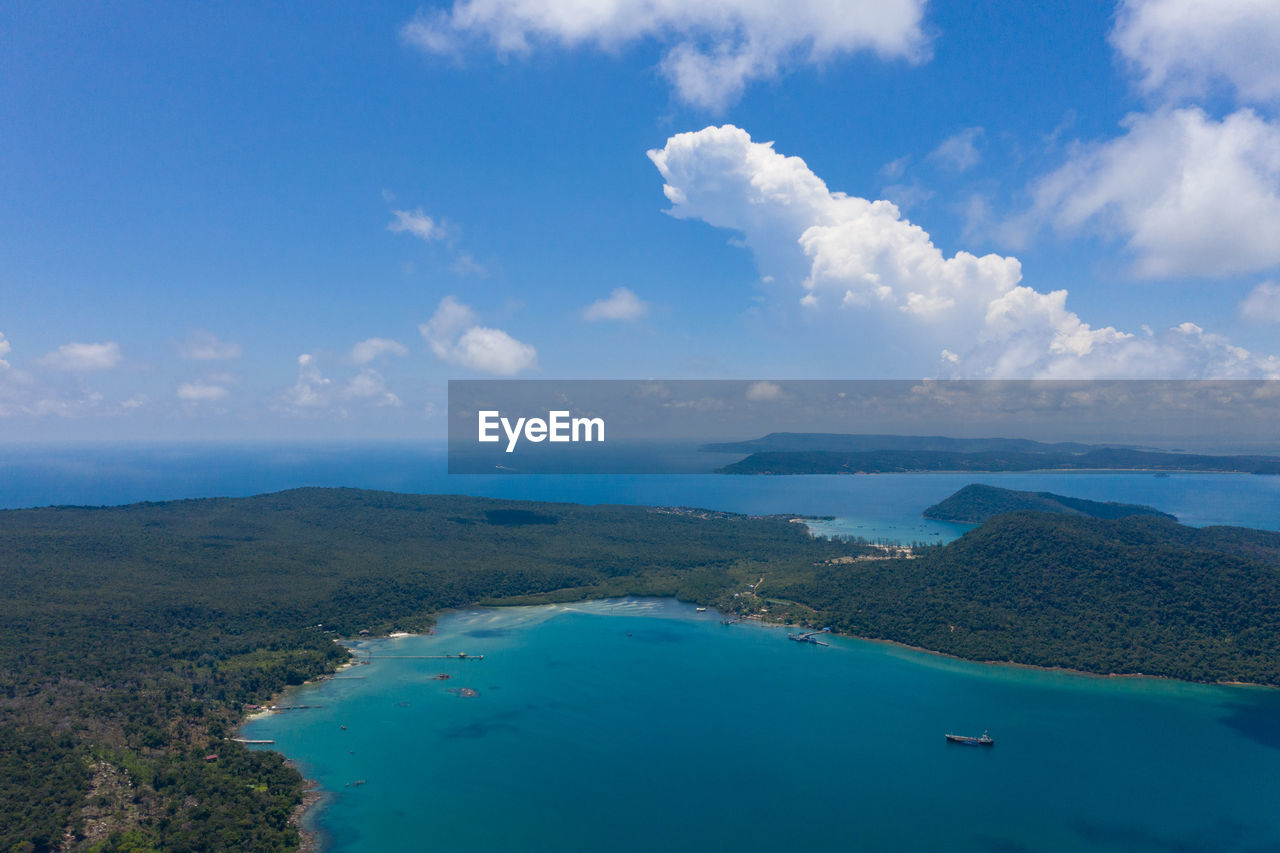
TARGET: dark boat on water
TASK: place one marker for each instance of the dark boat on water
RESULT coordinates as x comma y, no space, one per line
985,740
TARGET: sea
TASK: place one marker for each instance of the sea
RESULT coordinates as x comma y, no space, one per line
644,724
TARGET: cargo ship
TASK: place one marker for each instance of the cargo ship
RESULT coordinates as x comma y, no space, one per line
985,740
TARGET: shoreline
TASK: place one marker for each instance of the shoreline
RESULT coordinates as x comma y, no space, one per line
313,793
309,840
764,622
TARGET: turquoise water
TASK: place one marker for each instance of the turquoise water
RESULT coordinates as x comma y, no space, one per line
642,725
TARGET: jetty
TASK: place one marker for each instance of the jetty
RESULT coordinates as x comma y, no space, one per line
249,741
811,637
458,656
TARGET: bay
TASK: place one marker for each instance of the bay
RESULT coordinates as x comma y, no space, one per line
636,725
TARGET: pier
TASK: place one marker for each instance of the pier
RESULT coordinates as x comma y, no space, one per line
248,741
811,637
458,656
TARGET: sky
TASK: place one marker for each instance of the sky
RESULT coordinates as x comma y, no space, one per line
299,221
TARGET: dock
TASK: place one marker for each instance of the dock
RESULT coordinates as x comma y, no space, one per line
459,656
811,637
252,742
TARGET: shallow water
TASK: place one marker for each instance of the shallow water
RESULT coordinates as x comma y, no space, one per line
642,725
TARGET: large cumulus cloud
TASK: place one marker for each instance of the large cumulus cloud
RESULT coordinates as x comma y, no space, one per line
842,253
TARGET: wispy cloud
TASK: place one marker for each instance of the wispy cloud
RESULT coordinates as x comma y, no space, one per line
959,152
1191,195
416,223
367,350
201,391
713,51
1181,48
455,337
1262,305
81,357
204,345
621,304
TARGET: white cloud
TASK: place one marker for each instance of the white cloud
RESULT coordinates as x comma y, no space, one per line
367,350
894,168
314,394
621,304
368,384
1185,47
467,265
959,152
493,351
206,346
79,358
764,392
1262,305
310,390
712,50
5,347
846,253
455,337
1192,195
201,391
417,223
445,325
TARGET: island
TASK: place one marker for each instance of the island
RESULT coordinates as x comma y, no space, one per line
909,461
822,453
977,502
137,638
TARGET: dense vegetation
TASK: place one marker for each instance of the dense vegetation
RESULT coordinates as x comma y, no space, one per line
1136,595
899,461
131,638
977,502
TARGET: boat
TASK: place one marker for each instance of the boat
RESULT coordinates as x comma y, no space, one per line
985,740
700,609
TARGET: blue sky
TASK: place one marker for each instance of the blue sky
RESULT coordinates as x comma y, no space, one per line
277,221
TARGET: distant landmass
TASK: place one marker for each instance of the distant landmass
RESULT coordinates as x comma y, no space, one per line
977,502
791,442
906,461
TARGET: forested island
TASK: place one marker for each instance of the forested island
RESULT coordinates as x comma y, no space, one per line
907,461
134,637
795,442
977,502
